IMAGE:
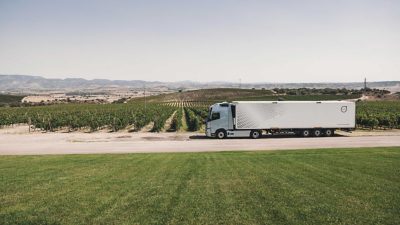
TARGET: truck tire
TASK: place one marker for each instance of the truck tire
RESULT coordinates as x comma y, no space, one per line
317,133
255,134
220,134
329,132
305,133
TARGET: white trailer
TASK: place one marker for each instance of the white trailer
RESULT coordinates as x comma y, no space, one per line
304,118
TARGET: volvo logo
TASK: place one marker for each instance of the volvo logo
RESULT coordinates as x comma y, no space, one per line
343,109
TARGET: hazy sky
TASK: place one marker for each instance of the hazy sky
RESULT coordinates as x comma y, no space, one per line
202,40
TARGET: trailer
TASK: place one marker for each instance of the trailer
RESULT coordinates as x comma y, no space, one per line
303,118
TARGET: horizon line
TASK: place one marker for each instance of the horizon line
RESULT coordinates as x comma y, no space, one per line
202,82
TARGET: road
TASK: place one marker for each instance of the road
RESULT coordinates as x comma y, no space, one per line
96,143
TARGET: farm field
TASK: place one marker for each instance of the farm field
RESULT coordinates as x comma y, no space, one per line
6,100
232,94
378,114
189,110
335,186
89,116
134,116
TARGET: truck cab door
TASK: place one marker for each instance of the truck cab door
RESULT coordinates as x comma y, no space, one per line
213,121
219,119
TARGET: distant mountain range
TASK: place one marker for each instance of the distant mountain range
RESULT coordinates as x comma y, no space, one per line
29,84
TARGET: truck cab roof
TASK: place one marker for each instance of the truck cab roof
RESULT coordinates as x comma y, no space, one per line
285,102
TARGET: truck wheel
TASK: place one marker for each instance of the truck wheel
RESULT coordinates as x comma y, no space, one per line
329,133
305,133
255,134
221,134
317,133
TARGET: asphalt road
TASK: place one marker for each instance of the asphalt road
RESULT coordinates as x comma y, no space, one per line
59,143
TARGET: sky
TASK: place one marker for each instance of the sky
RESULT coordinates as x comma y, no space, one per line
207,40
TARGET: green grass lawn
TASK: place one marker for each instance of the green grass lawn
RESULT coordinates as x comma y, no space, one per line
335,186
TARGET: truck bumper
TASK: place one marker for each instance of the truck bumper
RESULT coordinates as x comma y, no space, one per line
208,133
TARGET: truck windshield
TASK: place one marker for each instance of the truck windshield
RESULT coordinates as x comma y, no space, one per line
215,116
209,114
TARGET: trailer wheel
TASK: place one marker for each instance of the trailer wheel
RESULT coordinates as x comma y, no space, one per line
255,134
317,133
305,133
220,134
329,132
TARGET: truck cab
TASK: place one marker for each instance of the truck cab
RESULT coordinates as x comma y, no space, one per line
219,117
221,121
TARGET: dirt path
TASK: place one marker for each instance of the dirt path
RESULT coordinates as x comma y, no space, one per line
101,142
168,122
184,122
147,128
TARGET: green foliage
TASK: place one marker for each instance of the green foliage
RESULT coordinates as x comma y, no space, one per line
92,116
315,91
192,119
200,112
176,122
378,114
159,121
10,100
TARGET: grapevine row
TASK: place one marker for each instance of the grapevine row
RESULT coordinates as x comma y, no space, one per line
94,117
378,114
176,122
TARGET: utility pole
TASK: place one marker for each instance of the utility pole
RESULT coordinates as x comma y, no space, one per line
240,83
144,92
365,84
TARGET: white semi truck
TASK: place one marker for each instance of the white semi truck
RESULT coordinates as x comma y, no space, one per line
303,118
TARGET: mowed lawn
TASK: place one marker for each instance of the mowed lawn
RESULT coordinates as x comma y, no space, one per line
335,186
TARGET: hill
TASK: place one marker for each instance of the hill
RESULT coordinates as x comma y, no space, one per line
235,94
216,94
30,84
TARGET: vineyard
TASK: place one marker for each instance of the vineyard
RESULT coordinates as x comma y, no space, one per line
93,117
378,114
187,109
186,116
90,116
190,104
